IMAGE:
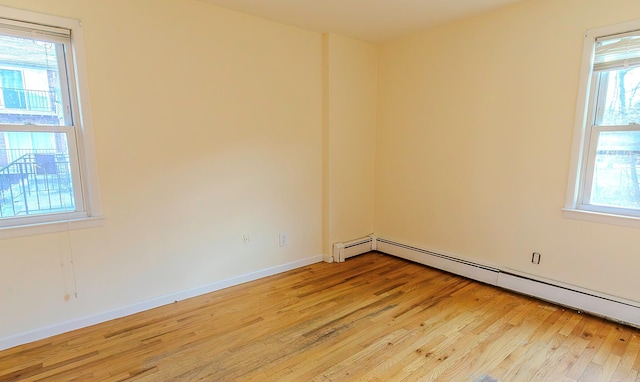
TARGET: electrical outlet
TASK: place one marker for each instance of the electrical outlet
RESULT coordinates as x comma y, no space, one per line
535,258
246,239
283,239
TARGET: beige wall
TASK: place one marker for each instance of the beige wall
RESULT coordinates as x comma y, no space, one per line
207,126
351,84
475,128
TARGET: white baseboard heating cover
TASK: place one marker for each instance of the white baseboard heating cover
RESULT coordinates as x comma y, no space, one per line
599,304
342,251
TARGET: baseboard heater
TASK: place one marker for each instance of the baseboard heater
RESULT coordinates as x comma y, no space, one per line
610,307
342,251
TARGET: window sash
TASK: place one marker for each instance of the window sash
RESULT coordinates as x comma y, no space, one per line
79,192
590,165
595,108
62,39
65,73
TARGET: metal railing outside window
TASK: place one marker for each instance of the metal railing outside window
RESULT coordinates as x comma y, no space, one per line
24,99
37,182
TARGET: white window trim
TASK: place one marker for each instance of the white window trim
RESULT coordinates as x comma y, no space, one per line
51,227
572,208
86,146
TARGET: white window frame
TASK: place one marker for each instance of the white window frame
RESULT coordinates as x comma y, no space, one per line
85,173
585,140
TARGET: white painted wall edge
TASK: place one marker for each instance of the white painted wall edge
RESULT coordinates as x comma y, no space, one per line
63,327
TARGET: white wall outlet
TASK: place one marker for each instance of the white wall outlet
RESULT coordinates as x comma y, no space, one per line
283,239
246,239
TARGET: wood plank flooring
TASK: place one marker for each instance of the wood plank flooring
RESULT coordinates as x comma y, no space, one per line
373,318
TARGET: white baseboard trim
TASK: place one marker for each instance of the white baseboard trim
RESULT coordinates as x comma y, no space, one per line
611,307
67,326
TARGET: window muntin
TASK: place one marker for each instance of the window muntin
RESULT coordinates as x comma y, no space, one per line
40,167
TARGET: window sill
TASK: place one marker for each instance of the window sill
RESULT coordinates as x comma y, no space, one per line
600,217
51,227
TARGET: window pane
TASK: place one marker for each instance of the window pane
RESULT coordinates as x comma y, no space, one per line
615,176
30,91
621,92
35,174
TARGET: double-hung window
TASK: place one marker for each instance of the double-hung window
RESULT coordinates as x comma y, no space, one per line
605,174
47,166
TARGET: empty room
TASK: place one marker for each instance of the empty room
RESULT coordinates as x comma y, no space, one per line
285,190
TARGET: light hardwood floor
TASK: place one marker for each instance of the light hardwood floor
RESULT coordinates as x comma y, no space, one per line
373,318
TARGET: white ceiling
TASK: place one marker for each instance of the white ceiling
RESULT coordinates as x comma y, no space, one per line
368,20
